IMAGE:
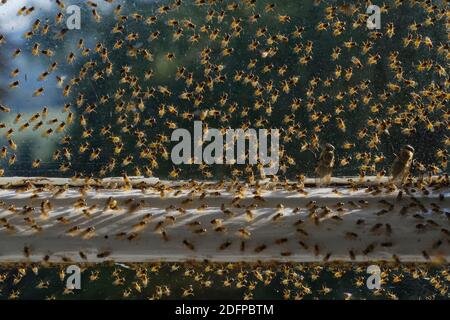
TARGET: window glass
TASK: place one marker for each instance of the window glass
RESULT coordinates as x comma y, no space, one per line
118,87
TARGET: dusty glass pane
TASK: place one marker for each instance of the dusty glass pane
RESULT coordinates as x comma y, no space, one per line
393,95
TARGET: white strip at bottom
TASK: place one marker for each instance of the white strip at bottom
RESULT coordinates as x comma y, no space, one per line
239,225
